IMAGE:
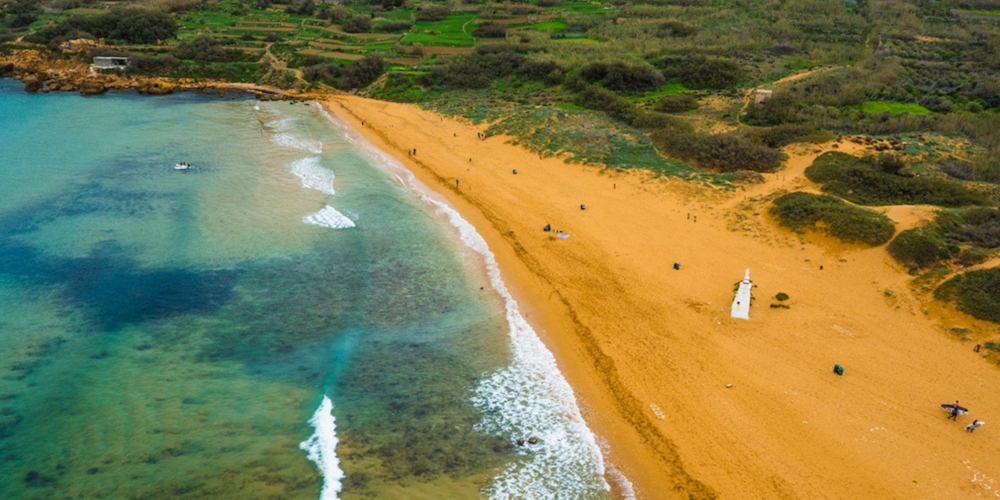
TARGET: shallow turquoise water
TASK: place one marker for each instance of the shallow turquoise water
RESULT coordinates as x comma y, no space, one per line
168,334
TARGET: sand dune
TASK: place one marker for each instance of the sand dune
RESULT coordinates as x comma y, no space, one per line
695,404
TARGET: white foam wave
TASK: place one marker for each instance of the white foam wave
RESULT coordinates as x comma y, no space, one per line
312,175
321,448
294,142
529,398
329,217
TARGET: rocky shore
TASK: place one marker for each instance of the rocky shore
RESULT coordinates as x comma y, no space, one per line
41,73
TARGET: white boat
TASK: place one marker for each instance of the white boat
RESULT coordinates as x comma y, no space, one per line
182,166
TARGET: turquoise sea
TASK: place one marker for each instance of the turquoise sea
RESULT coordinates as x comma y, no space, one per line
292,318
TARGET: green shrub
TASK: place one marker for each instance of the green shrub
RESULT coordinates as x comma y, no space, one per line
676,103
361,73
490,30
393,26
867,182
976,293
358,24
701,72
800,211
676,29
139,26
597,98
723,152
622,77
782,135
206,48
978,226
431,12
972,256
324,72
918,248
781,296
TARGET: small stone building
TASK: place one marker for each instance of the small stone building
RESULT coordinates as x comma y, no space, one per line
110,62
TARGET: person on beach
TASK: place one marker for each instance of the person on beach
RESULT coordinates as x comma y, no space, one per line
547,228
954,411
456,182
974,425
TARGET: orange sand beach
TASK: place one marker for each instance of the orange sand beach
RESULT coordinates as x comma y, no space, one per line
693,403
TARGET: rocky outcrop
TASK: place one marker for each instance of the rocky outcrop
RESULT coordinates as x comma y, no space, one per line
156,87
91,86
40,73
33,84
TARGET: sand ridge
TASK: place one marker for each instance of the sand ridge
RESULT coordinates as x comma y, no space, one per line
651,350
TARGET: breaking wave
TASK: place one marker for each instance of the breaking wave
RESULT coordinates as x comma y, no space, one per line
321,448
312,175
329,217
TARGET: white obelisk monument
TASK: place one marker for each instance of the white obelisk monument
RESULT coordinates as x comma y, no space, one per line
741,304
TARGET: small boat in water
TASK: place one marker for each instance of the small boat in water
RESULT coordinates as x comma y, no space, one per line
182,166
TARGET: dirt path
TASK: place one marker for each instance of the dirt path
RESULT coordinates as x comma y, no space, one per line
790,78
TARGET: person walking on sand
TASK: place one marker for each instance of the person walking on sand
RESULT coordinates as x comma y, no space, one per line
954,411
974,425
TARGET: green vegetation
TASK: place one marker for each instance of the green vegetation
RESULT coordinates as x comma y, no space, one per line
446,32
669,70
895,108
976,293
968,237
722,152
800,211
781,296
883,181
918,248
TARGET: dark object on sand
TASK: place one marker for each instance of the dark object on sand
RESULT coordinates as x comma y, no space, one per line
677,266
583,207
515,171
839,370
547,228
976,349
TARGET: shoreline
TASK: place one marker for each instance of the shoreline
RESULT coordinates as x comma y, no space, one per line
545,309
694,404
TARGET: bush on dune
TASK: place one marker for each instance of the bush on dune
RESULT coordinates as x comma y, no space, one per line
800,211
918,248
976,293
723,152
870,181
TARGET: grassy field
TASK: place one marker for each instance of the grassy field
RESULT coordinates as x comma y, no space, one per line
453,31
896,108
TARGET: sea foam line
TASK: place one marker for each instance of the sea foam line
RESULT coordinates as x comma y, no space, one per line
530,397
321,448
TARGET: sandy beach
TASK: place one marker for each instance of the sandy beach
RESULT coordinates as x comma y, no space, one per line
692,403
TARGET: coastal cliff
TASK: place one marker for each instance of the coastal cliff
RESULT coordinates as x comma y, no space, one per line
42,73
